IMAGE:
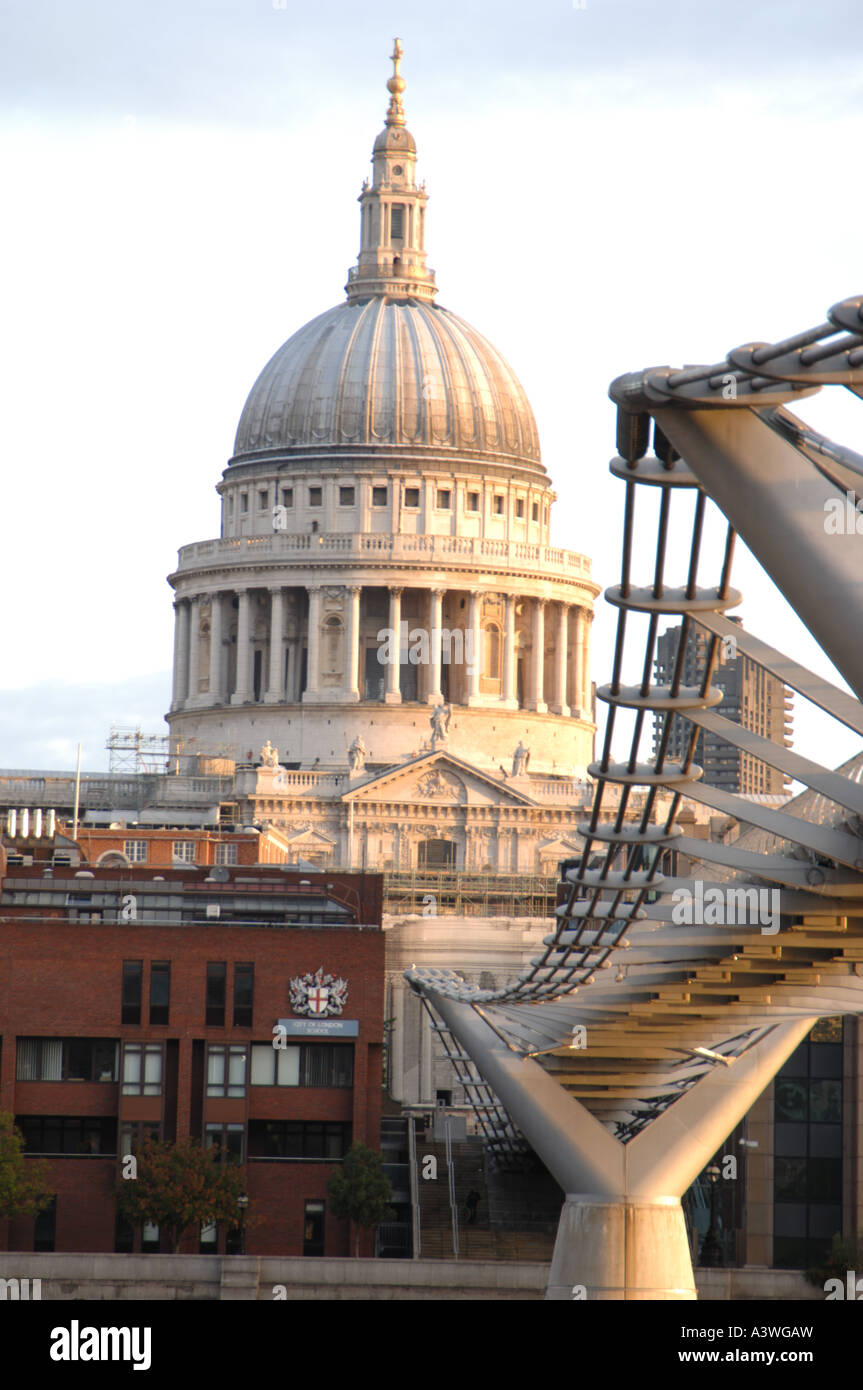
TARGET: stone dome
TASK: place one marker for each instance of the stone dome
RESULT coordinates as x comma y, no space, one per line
385,375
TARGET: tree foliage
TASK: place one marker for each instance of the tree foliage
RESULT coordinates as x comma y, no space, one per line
179,1186
360,1190
23,1190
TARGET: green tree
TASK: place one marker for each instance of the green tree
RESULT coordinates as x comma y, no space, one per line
23,1190
360,1190
178,1186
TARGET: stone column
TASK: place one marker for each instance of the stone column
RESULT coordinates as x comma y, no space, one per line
313,662
474,649
352,642
434,695
194,650
243,691
536,701
583,681
574,691
508,695
392,693
217,665
181,653
276,683
560,706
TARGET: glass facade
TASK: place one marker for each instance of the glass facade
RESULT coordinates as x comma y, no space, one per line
807,1163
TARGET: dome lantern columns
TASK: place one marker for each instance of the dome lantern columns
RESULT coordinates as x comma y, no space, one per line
392,257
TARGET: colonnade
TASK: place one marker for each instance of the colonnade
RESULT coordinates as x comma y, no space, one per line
279,631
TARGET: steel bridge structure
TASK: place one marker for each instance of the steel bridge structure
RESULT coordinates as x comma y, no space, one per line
632,1045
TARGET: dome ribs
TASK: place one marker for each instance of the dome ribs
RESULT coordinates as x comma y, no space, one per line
387,373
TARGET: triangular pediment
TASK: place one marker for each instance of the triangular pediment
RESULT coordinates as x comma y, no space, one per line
562,845
304,837
438,778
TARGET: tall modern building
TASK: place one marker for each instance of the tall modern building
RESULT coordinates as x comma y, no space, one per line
383,607
751,697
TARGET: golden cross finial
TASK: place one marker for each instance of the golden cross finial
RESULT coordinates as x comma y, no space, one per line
395,86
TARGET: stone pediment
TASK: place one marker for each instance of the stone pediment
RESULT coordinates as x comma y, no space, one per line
304,837
441,779
560,847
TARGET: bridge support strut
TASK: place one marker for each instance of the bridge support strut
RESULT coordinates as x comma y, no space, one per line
622,1233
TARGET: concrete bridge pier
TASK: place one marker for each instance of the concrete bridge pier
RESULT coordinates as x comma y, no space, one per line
622,1233
621,1248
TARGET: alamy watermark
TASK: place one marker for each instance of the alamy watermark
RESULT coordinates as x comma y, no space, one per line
20,1290
727,907
843,516
420,645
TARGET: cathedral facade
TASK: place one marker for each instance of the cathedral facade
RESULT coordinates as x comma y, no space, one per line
382,642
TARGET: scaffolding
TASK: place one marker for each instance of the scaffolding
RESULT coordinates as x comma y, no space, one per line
132,751
459,894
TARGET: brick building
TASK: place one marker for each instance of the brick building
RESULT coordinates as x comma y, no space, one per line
134,1002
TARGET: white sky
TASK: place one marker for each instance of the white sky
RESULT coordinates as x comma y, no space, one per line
612,188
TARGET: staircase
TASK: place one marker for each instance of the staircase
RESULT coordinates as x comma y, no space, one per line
479,1241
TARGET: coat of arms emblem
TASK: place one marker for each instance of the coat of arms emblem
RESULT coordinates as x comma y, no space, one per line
318,995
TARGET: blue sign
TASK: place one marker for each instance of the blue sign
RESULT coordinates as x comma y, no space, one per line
320,1027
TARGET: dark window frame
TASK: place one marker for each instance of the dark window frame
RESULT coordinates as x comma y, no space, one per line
160,970
132,992
216,993
244,971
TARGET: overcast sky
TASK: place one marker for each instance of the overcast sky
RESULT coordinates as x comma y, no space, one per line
627,184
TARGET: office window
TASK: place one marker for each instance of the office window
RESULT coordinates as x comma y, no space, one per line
498,505
316,496
160,991
303,1064
134,1133
226,1070
68,1134
217,972
66,1059
807,1162
208,1243
150,1239
275,1066
346,496
472,504
299,1139
228,1140
314,1223
244,987
133,975
184,851
142,1069
226,854
379,496
412,497
135,851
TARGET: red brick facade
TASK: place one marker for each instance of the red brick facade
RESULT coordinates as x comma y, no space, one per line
61,977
